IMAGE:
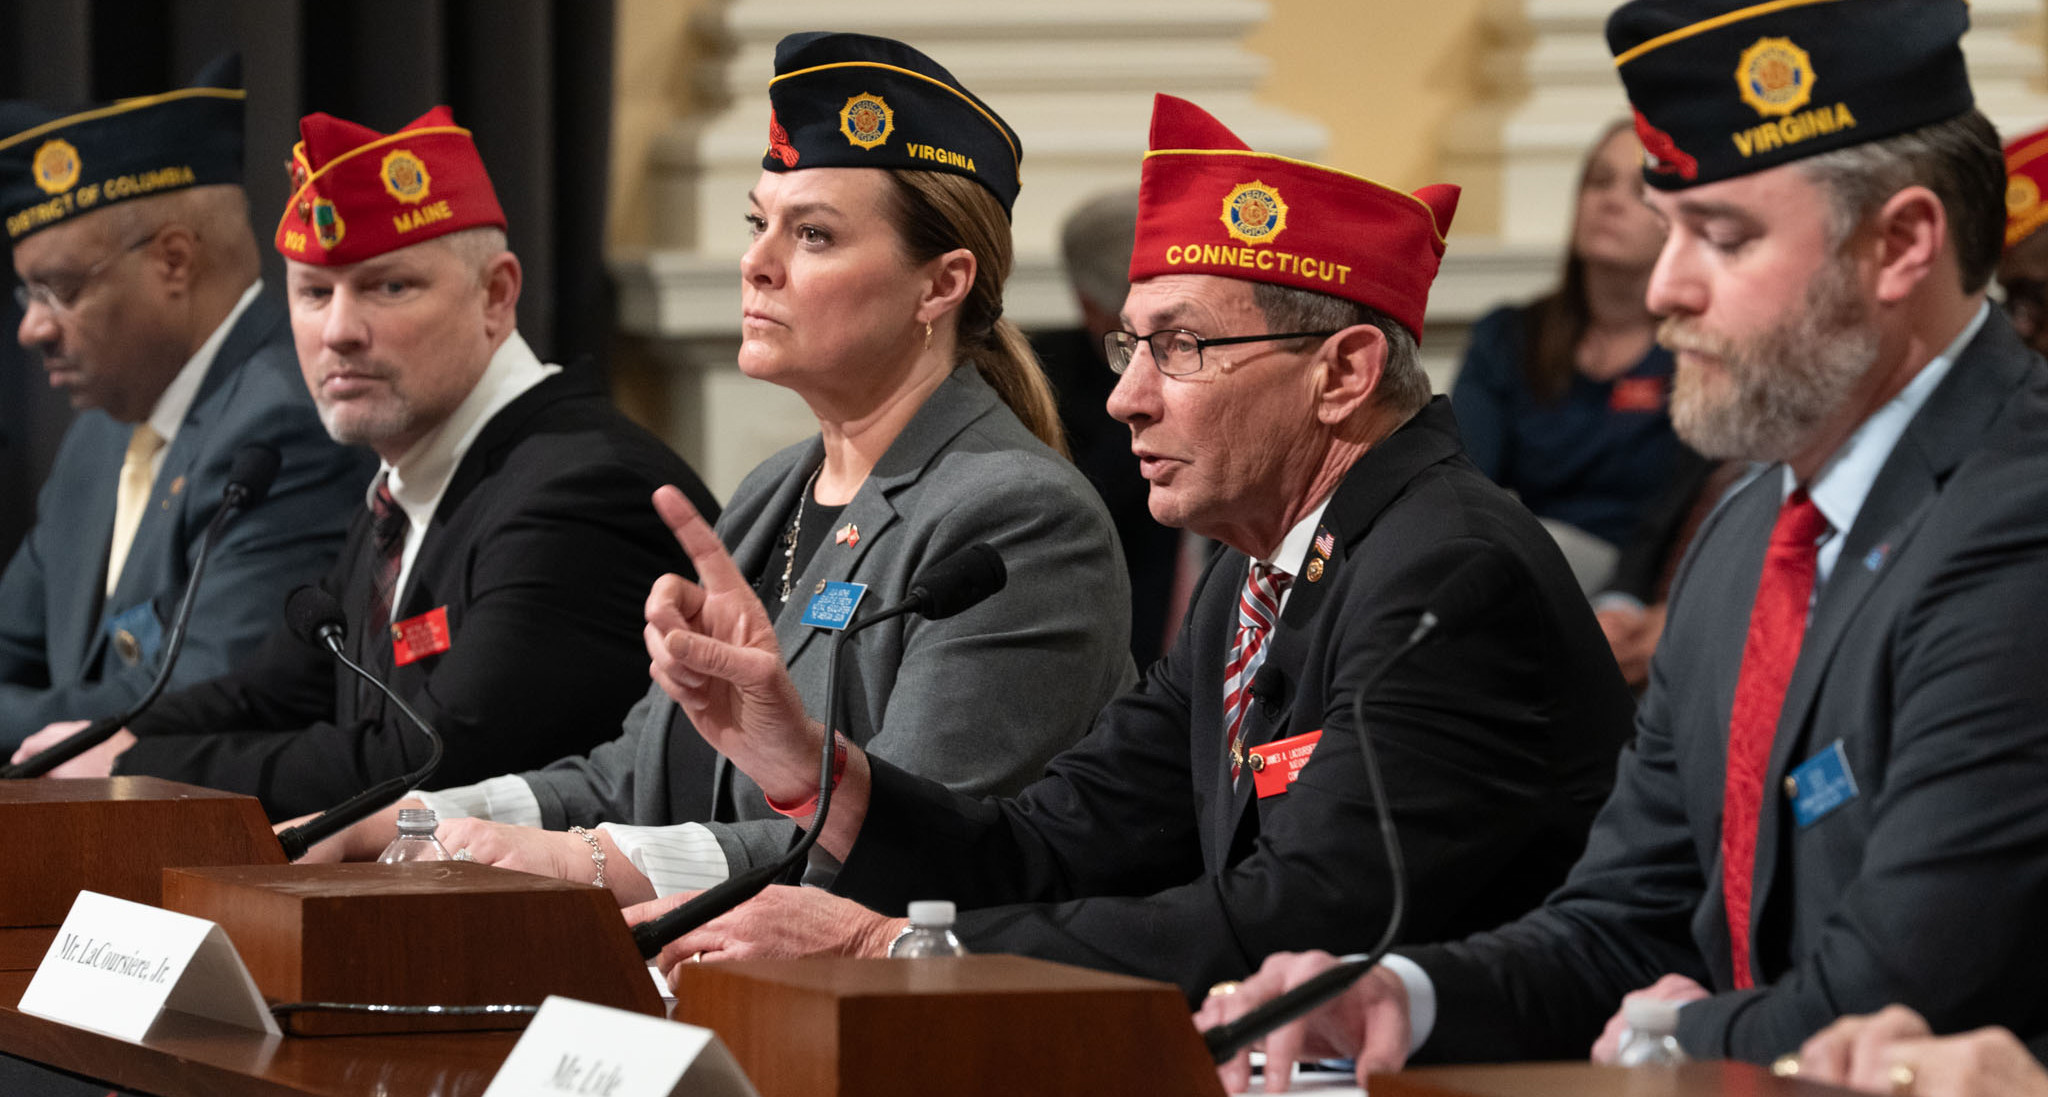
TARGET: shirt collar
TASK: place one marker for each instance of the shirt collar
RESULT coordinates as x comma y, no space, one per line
1844,482
420,477
177,397
1292,554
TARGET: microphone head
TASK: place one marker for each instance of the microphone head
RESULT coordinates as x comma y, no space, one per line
959,581
250,473
1473,588
313,615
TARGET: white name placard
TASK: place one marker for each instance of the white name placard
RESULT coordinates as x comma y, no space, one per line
116,965
587,1050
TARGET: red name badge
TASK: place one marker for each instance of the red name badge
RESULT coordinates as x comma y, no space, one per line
1637,394
415,638
1278,763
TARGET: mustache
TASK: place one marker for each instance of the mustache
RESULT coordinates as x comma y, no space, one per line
1675,335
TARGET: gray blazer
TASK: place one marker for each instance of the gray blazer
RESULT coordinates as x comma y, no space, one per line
59,654
1030,667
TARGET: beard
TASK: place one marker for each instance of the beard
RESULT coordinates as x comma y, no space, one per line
1772,390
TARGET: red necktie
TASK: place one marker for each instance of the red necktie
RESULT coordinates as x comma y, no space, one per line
1257,610
388,527
1777,625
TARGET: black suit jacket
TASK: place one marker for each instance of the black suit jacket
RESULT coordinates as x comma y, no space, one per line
542,549
1135,853
1921,659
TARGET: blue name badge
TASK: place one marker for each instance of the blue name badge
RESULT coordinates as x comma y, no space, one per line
1821,784
136,635
832,607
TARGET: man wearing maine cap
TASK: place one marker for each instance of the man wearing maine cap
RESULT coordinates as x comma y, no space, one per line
1838,792
2023,269
497,565
129,232
1221,810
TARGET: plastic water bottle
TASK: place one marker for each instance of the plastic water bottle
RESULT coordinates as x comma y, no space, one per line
415,841
1652,1037
930,932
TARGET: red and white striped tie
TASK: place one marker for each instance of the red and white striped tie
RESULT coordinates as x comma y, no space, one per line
1257,611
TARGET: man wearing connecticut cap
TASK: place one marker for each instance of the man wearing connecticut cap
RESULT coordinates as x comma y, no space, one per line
2023,270
1838,792
1221,810
497,565
139,288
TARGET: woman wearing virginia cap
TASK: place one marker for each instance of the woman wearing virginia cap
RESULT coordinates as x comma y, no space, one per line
873,289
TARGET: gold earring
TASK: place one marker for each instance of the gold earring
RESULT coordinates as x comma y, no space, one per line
927,335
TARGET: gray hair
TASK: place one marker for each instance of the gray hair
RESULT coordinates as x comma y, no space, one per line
1095,245
1959,160
476,247
1404,387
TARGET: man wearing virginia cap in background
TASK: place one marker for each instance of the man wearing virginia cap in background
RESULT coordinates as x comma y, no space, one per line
130,235
496,575
2023,270
1275,400
1838,791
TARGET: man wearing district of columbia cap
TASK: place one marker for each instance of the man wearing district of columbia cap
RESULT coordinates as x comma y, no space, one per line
1270,381
1837,796
2023,269
139,288
496,568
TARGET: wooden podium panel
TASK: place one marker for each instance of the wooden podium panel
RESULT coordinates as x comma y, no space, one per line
116,835
443,932
987,1025
1581,1079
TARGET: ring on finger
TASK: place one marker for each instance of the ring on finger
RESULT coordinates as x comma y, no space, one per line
463,854
1902,1077
1224,989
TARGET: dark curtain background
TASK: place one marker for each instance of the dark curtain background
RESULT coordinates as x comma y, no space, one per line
531,78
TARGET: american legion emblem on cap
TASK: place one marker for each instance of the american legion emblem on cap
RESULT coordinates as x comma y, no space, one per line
2026,170
1723,89
58,164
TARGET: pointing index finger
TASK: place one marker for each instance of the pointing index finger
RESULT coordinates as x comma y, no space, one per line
715,569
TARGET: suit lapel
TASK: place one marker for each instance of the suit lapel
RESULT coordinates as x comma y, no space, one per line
1947,427
961,399
1379,477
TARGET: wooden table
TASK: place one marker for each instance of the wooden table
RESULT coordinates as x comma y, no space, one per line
185,1055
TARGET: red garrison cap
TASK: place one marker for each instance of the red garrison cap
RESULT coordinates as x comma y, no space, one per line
2026,174
1207,204
358,193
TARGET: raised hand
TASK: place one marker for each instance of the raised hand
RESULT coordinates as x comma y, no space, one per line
713,650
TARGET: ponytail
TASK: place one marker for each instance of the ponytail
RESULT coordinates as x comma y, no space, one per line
939,211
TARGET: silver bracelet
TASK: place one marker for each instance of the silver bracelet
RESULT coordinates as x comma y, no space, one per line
596,852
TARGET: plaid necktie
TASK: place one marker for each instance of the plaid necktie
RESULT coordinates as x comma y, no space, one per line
1258,609
1777,627
388,527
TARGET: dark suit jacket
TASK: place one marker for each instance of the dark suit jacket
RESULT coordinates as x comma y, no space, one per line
1920,658
1134,853
57,661
543,549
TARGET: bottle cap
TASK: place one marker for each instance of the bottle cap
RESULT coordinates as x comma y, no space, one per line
1651,1016
932,912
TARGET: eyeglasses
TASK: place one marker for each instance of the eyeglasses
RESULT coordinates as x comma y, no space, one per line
64,295
2026,302
1178,353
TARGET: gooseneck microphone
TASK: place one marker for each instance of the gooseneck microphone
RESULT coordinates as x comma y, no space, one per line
315,617
251,471
1462,598
950,586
